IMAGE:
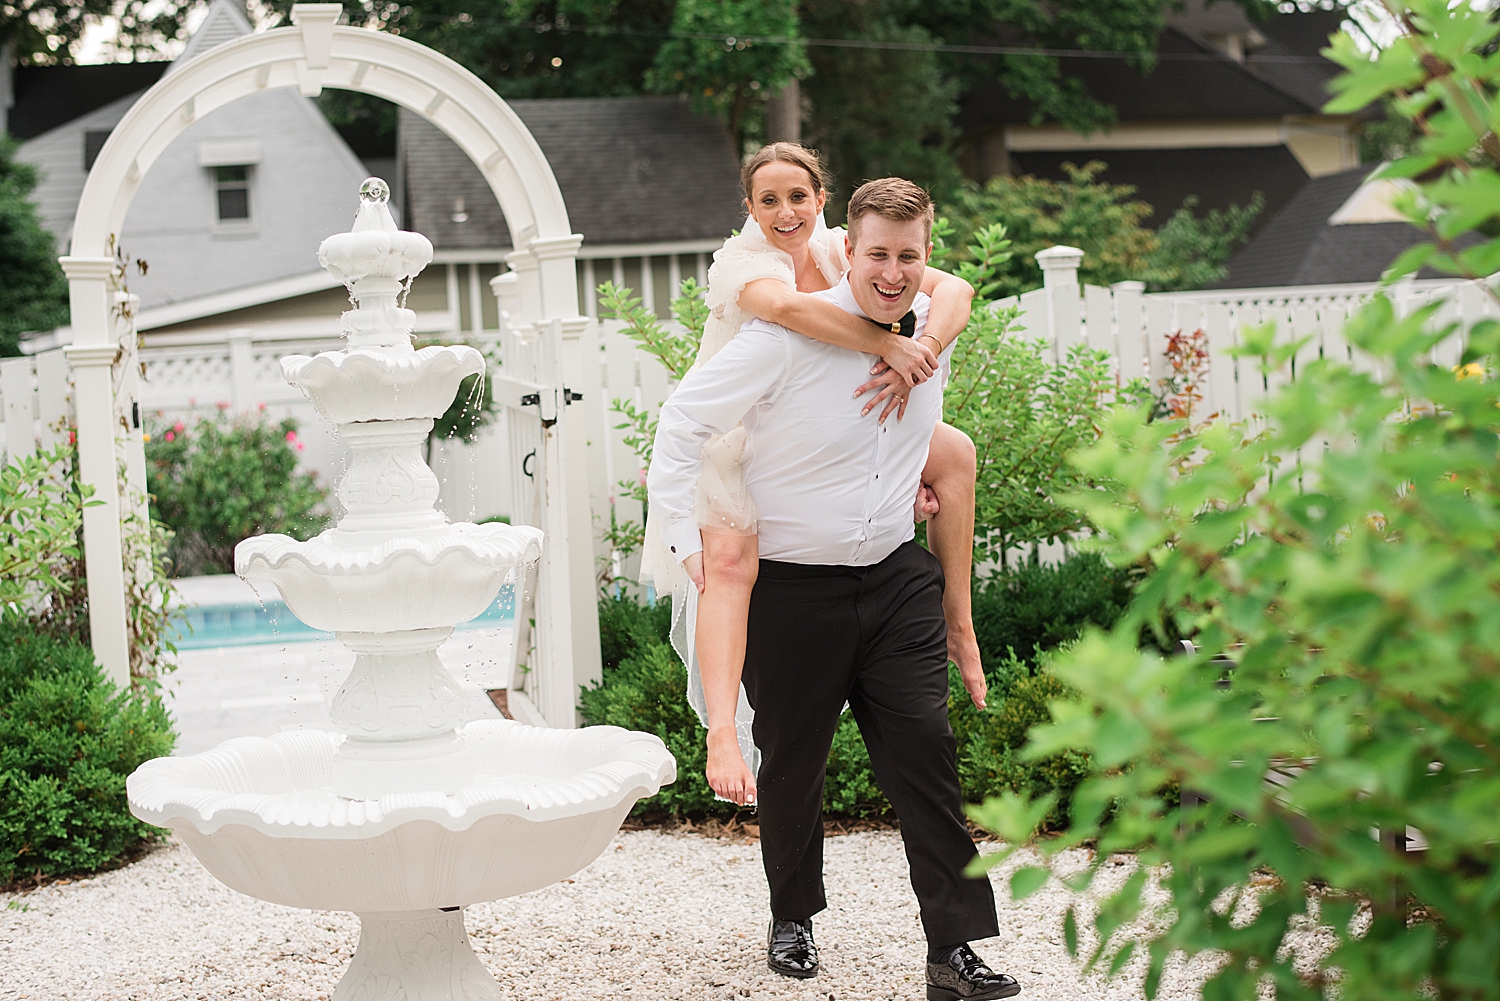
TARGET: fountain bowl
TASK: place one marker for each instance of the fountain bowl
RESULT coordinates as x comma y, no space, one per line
333,582
261,816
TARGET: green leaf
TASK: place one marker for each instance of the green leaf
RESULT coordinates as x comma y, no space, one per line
1070,932
1025,882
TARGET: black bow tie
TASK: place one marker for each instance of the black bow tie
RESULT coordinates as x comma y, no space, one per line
906,327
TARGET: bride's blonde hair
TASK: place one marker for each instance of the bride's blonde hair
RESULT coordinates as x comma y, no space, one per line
787,152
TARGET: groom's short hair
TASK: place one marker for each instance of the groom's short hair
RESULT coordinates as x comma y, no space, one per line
893,198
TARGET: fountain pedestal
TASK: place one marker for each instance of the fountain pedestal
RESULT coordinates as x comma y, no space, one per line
404,816
415,956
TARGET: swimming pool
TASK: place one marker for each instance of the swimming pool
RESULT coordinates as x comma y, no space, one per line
202,626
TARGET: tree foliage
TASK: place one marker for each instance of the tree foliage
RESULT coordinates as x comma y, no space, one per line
34,293
1106,223
46,32
728,73
1347,562
881,95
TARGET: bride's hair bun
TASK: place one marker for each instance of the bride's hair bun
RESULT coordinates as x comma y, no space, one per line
787,152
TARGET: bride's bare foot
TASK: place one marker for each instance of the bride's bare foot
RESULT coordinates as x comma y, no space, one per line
727,774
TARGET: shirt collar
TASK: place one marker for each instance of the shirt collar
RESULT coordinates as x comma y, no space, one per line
843,295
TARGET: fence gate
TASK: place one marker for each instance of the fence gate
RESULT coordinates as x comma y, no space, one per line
543,378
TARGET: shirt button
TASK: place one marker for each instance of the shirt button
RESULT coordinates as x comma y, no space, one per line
674,549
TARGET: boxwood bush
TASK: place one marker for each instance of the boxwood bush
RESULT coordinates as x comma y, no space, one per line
68,739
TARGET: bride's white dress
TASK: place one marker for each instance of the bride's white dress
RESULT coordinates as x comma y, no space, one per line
723,503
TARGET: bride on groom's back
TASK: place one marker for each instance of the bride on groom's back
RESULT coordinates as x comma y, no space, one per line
782,255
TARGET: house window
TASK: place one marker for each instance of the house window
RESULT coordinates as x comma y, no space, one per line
232,193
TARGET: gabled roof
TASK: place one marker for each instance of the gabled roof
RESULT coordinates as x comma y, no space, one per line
1319,238
225,22
632,170
49,96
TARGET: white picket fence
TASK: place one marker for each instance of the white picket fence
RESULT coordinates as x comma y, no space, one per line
1131,326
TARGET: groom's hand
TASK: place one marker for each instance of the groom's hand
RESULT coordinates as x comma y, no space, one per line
694,567
910,358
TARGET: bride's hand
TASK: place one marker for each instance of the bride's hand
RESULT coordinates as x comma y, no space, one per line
909,357
727,773
891,388
694,567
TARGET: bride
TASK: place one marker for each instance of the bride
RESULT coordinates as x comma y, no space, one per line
784,253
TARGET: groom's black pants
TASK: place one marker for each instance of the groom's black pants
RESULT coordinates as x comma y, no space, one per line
874,636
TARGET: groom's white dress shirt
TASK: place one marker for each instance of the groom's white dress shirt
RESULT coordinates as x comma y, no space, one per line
833,487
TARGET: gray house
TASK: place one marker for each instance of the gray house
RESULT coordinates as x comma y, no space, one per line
232,212
229,218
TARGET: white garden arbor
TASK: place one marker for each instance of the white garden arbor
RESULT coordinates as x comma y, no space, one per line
547,353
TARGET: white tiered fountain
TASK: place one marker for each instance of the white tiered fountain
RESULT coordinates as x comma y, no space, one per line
404,816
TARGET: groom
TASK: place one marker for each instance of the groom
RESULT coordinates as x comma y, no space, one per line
847,606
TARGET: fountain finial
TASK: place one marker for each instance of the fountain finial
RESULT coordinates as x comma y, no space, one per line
374,260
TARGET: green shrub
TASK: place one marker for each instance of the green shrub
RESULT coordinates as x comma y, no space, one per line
68,739
647,691
990,742
626,625
225,479
1041,607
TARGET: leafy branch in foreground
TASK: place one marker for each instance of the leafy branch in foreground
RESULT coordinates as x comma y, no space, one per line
1358,603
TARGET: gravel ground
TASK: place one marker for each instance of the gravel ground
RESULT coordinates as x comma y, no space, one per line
659,915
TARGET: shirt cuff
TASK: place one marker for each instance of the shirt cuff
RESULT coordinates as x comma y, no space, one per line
683,538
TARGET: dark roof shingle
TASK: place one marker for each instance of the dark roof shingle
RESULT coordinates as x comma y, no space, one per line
49,96
1298,246
631,170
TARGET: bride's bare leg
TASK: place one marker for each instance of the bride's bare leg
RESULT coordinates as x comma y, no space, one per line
730,566
950,471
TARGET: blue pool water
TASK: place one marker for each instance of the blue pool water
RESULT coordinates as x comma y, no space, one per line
205,626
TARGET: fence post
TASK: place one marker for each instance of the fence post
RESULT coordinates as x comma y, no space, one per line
1059,265
1060,287
53,396
92,355
241,371
15,386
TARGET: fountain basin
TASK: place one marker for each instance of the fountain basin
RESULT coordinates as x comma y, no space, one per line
338,582
261,815
363,384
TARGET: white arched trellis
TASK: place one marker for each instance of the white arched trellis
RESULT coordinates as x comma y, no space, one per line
312,54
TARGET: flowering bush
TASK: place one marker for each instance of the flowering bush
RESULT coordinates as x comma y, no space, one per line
223,479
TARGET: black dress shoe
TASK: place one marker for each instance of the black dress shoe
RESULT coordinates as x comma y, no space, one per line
790,950
962,976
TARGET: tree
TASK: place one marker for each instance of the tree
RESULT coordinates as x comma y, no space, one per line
878,112
881,96
729,74
34,291
44,33
532,48
1346,562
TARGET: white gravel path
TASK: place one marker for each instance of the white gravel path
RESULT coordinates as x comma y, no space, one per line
659,915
